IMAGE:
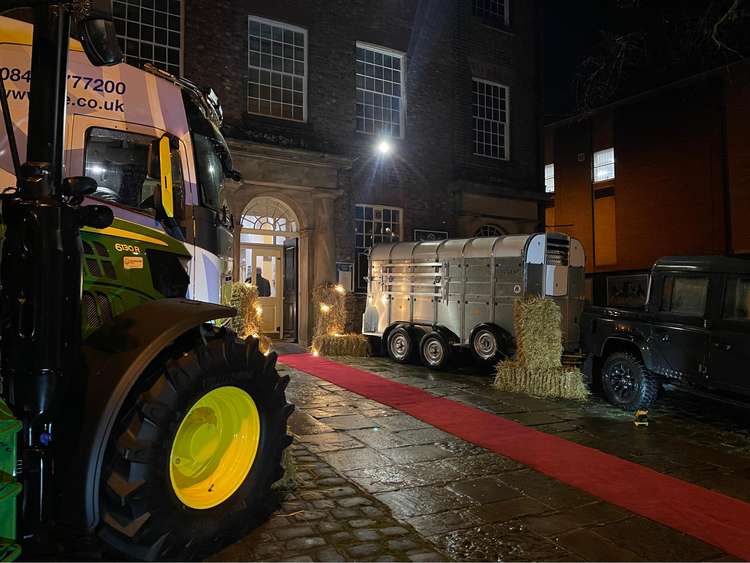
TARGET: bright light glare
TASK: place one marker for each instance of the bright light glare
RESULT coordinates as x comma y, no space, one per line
340,288
325,308
384,147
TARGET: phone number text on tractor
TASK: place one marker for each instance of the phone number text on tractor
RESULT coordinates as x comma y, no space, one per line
84,82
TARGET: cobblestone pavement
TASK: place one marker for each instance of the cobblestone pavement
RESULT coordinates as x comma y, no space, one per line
449,499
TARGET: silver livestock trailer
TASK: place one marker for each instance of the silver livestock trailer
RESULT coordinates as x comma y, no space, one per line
428,296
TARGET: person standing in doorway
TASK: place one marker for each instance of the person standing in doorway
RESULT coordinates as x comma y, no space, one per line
264,286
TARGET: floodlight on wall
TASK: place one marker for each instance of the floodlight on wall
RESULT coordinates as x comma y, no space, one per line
383,147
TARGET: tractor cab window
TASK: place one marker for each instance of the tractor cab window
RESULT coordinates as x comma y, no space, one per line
118,161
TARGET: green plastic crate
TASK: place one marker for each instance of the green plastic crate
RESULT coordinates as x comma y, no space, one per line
9,427
9,487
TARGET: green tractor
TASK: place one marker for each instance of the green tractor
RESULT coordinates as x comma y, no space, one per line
131,420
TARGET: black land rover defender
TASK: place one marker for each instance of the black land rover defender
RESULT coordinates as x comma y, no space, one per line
694,330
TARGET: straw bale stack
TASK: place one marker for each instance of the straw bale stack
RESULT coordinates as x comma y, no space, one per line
248,320
537,369
329,304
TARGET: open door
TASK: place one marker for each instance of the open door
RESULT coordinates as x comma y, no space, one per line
290,289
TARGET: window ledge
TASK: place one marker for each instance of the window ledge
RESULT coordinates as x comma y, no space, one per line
495,25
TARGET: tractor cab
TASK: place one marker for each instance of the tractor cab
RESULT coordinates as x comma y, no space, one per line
153,145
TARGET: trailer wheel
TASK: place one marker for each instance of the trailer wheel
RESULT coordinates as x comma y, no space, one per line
434,350
195,450
401,344
487,344
627,383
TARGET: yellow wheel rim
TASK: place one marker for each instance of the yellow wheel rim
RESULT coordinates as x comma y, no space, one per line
214,448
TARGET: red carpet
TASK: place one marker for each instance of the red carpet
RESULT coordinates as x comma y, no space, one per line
715,518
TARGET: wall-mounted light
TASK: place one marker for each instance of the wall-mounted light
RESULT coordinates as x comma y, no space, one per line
383,147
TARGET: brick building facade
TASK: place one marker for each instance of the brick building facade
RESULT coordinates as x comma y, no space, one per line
311,88
663,173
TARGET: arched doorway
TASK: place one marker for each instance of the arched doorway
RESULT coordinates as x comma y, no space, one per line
269,230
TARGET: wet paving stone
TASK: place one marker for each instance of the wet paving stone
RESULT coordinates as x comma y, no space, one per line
348,422
424,452
399,422
346,460
423,436
377,438
500,543
506,511
484,490
510,509
328,442
359,528
650,540
422,500
302,423
545,489
590,546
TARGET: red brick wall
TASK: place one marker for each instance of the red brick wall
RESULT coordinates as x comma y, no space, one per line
738,155
668,189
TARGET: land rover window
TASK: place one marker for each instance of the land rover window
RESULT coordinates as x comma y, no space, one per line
683,295
737,299
118,162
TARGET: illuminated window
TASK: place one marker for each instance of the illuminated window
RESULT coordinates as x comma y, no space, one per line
381,88
549,178
277,61
374,224
490,108
492,9
604,165
267,220
150,32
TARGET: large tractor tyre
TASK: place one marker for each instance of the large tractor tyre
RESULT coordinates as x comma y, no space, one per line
194,451
434,350
401,344
627,383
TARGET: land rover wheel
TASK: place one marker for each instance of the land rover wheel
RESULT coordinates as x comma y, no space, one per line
434,350
401,344
627,383
193,454
488,345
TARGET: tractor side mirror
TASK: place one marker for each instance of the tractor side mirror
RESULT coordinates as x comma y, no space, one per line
97,33
160,167
79,186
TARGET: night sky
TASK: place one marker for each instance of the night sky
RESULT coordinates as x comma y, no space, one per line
570,30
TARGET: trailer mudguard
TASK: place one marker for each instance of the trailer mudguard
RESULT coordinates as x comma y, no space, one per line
113,358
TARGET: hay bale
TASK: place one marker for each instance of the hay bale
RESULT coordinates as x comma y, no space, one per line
247,322
537,368
552,382
341,345
538,334
329,306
